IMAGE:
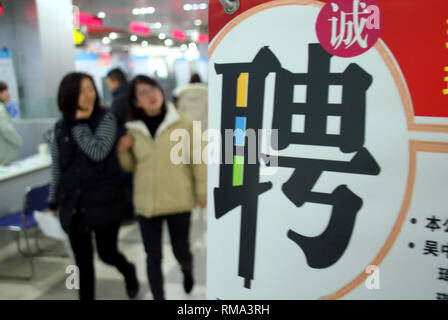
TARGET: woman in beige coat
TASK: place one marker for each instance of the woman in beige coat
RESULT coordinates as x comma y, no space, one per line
163,189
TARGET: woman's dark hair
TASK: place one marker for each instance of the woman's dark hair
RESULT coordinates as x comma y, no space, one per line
135,113
3,86
68,94
195,78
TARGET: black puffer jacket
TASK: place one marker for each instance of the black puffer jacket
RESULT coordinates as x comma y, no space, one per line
91,189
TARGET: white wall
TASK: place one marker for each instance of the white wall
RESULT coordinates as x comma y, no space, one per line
39,37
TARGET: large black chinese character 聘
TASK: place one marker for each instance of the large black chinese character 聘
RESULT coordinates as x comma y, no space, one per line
324,250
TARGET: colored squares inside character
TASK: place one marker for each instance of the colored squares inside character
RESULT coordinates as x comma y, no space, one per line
238,159
238,168
240,128
241,94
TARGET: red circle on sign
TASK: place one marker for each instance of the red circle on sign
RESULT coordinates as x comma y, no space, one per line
348,28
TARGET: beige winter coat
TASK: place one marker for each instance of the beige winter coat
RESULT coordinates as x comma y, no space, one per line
162,187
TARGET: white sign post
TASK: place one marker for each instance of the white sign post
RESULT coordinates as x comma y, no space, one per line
357,206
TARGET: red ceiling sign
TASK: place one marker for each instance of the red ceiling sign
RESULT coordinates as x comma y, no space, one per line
86,19
178,35
202,38
139,28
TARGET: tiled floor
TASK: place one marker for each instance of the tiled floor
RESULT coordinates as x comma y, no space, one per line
49,282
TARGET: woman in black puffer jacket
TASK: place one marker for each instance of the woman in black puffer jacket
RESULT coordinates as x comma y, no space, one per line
87,190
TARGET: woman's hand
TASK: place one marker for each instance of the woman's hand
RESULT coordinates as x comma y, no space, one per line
125,143
203,204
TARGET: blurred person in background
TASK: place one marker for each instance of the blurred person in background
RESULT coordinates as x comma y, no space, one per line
192,99
163,190
117,84
10,140
86,187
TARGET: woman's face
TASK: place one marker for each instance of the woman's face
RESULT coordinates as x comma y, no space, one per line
149,98
4,96
87,96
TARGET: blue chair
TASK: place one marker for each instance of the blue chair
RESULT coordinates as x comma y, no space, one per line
20,222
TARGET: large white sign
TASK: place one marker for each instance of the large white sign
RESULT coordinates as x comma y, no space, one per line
357,206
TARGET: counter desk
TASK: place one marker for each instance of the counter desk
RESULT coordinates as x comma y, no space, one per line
14,178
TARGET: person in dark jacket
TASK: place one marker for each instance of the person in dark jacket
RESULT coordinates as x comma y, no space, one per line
86,188
117,84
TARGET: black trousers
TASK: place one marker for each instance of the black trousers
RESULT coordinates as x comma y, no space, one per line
107,246
179,229
128,179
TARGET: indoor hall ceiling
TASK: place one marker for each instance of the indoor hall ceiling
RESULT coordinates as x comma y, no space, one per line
169,13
